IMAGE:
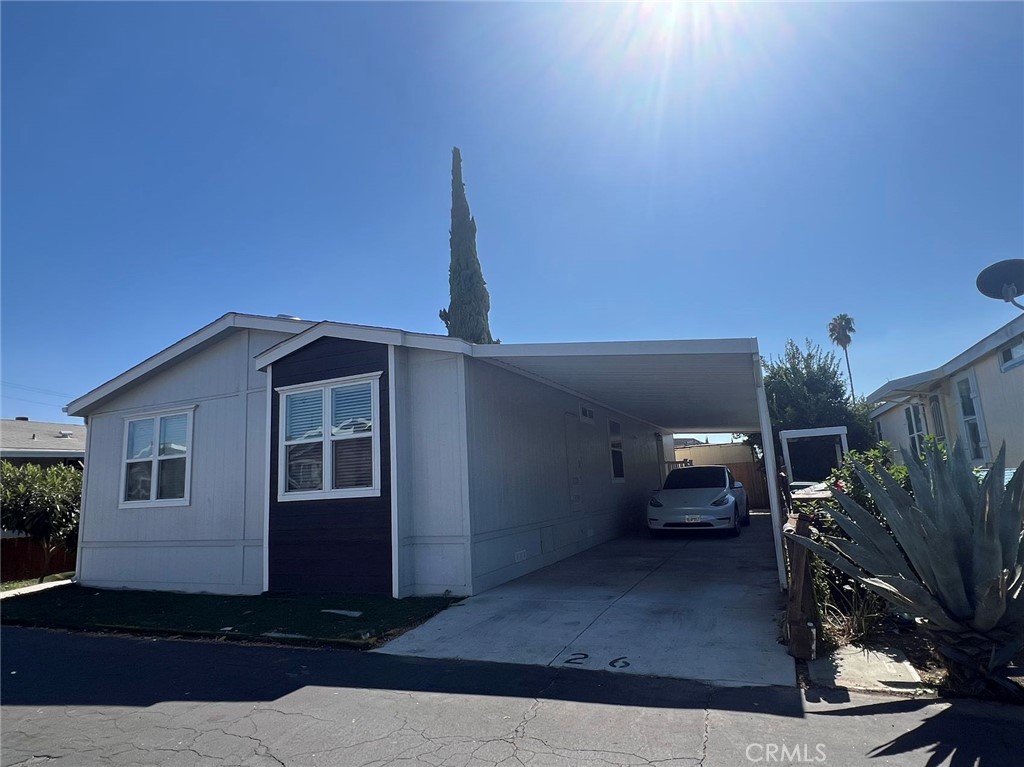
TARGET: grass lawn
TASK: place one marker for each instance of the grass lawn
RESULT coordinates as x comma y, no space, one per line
290,618
11,585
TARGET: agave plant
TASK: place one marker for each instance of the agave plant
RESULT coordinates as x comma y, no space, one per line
951,554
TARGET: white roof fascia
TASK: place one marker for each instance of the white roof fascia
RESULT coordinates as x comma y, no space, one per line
15,453
186,345
389,336
823,431
884,408
987,345
618,348
899,387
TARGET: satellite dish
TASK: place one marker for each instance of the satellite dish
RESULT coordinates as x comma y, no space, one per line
1003,280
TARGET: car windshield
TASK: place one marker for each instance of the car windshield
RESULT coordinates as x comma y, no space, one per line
695,476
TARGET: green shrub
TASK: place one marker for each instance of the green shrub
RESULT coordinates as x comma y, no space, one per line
42,503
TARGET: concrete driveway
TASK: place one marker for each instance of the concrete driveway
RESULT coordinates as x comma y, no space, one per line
697,606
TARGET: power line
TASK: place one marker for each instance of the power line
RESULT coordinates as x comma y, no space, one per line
37,390
33,401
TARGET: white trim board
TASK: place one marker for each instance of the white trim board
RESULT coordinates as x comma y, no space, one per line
914,383
187,346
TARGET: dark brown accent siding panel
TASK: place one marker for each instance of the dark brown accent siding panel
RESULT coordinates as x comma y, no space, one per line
338,545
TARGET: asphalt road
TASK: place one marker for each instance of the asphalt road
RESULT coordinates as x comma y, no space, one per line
74,699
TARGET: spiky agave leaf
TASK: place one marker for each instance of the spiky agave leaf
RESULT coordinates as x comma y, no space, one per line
959,562
863,527
930,551
906,593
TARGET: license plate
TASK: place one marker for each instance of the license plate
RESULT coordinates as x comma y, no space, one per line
691,518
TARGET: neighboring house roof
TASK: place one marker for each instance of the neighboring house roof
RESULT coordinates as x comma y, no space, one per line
898,389
687,442
186,347
40,439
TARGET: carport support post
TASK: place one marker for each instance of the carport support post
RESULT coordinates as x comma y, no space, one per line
768,441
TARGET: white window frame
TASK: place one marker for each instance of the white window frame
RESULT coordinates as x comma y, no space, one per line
917,428
612,450
938,421
1014,361
154,459
326,439
978,417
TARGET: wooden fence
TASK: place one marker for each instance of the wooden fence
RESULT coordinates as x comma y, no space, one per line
22,558
750,475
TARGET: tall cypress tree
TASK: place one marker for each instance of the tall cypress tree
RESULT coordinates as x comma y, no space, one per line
466,315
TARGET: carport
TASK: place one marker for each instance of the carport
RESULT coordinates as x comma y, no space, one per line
712,385
696,606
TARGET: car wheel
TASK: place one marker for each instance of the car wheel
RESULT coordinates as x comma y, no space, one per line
734,531
746,516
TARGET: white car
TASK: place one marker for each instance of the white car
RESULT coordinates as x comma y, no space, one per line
699,497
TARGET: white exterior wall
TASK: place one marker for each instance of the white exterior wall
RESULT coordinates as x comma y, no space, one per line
1002,406
433,504
519,475
1001,397
215,544
894,430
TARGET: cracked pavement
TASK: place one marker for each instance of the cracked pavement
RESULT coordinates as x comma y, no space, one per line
76,699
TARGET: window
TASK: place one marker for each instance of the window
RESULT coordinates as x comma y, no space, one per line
586,413
1012,355
973,434
915,428
615,447
878,430
157,464
330,439
696,477
938,425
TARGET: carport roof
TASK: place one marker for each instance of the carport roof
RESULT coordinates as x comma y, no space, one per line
677,386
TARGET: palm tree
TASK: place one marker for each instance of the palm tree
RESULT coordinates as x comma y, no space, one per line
841,330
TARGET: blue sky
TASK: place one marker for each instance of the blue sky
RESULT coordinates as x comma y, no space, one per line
636,172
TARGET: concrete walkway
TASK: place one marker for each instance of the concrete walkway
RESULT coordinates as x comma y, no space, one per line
696,606
33,588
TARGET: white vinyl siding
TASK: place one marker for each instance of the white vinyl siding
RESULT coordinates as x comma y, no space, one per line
330,439
156,460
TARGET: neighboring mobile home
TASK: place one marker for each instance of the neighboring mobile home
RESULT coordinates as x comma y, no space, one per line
23,441
270,453
977,398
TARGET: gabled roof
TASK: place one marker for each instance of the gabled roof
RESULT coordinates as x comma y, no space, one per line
186,347
40,439
390,336
675,386
923,382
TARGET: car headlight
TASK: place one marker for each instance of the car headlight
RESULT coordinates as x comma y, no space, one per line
721,501
656,503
